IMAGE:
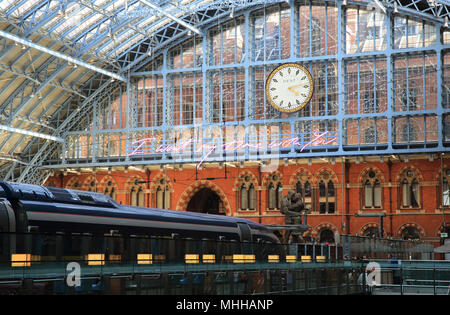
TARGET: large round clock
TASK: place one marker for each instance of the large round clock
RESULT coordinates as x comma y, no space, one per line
289,87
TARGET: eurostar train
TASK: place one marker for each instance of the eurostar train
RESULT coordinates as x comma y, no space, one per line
38,210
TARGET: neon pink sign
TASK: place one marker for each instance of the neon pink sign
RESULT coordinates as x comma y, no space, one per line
318,139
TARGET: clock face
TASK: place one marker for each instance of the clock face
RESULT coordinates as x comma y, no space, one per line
289,87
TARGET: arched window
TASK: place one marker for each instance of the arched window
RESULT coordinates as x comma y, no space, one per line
162,195
274,192
133,197
251,197
327,194
92,186
110,190
371,232
409,190
444,189
372,193
271,196
410,233
246,195
326,236
136,195
303,187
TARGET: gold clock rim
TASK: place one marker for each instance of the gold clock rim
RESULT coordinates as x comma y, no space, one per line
269,79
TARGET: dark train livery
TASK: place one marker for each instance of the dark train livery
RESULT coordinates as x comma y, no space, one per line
25,208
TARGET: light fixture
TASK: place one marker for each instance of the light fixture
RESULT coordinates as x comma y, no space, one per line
232,13
406,158
431,157
395,7
344,2
357,160
381,159
332,160
446,22
310,162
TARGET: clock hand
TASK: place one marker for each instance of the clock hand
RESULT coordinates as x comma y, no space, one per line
290,88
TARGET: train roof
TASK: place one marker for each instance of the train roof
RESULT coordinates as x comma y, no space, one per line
19,191
53,194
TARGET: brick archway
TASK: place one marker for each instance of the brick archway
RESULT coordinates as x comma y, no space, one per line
419,228
325,225
187,195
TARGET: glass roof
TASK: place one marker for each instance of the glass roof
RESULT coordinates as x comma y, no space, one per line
109,35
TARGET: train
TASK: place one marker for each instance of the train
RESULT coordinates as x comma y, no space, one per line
27,209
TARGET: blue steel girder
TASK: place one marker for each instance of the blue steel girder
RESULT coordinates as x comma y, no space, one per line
66,106
80,40
20,89
90,87
214,16
44,67
41,117
48,79
46,109
225,7
29,173
26,28
37,72
167,35
36,27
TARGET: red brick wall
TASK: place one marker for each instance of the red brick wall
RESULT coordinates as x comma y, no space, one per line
427,218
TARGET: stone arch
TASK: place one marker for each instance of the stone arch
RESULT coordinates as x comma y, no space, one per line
130,182
103,185
71,183
326,169
189,192
87,183
155,182
104,181
402,170
324,225
242,174
266,179
365,171
414,225
296,174
367,226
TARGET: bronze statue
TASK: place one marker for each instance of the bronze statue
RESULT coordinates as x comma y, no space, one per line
291,207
